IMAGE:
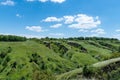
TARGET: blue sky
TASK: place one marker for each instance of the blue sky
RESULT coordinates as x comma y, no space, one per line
60,18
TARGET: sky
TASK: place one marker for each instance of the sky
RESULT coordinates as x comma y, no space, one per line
60,18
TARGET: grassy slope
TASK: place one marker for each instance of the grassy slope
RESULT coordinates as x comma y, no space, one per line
93,50
21,52
72,59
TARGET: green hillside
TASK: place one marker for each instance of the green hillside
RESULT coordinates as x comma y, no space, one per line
58,59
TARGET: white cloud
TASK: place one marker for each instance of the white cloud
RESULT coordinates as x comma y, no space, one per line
82,26
94,35
83,30
43,0
79,21
85,22
56,26
30,0
18,15
24,35
118,30
83,18
69,19
35,28
66,19
98,31
56,34
8,2
54,1
52,19
31,36
117,36
58,1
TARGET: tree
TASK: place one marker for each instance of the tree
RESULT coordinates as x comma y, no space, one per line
12,38
119,49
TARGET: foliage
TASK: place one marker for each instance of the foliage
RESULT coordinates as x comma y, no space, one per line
12,38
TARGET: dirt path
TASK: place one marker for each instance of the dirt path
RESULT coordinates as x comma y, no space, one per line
66,75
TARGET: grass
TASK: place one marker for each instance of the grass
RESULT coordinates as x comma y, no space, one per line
83,59
23,65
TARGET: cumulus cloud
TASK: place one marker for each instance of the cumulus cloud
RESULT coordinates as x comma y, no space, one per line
83,18
98,31
56,26
24,35
83,26
83,30
30,0
18,15
79,21
31,36
54,1
43,0
35,28
68,19
58,1
118,30
85,22
8,2
56,34
52,19
117,36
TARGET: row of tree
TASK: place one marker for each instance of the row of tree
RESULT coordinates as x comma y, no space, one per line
91,38
19,38
78,38
12,38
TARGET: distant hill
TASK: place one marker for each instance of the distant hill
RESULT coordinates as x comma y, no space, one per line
48,58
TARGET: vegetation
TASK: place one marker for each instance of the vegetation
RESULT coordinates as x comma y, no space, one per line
12,38
22,58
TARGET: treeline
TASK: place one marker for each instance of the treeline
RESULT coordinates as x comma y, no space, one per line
77,38
91,38
12,38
